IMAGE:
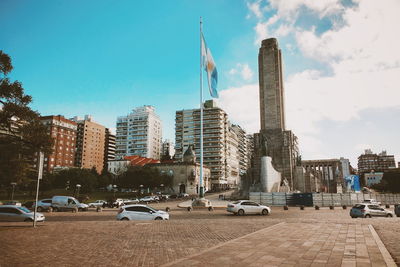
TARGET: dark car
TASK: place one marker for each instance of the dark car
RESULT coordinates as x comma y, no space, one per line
397,210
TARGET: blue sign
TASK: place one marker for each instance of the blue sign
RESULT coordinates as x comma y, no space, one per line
353,183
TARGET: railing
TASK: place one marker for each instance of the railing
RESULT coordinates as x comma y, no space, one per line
320,199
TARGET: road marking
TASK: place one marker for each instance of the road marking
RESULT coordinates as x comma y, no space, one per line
385,253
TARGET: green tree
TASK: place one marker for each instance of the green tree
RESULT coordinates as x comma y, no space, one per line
146,176
21,132
86,178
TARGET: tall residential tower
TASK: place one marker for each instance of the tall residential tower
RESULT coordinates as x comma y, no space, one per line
139,133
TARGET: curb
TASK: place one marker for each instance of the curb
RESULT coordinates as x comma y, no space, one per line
385,253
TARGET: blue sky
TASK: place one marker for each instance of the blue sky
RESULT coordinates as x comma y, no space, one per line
106,57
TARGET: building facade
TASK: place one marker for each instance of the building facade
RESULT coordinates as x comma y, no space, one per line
219,144
109,148
139,133
90,142
329,173
185,174
63,132
370,161
168,149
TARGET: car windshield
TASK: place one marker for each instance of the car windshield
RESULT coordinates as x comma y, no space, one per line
24,209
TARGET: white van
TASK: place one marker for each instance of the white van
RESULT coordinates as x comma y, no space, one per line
63,203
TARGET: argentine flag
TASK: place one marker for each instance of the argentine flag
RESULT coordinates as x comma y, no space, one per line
209,66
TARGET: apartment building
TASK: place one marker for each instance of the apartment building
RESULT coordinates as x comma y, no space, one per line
139,133
63,132
370,161
90,142
109,148
220,143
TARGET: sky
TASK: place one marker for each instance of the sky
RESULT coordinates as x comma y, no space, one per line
104,58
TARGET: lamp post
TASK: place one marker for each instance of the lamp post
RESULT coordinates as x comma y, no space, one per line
141,189
162,188
13,184
78,186
114,188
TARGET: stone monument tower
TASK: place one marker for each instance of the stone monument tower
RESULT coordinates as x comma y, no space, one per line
274,140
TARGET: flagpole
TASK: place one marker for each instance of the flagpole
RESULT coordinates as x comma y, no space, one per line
201,193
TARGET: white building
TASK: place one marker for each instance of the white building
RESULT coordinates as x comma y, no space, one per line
220,145
139,133
168,148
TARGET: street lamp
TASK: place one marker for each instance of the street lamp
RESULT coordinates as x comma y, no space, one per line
141,189
78,186
162,188
114,188
12,192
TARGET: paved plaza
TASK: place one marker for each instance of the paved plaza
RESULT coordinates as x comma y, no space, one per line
202,238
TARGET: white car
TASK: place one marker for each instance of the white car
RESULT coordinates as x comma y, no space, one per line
243,207
141,212
13,213
371,201
97,203
148,199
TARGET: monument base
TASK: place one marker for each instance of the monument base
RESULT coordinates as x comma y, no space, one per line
201,203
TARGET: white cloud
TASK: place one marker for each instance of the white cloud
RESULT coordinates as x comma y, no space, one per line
243,70
255,8
361,52
289,8
242,106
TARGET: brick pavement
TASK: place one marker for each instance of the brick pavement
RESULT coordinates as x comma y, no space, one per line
295,244
96,239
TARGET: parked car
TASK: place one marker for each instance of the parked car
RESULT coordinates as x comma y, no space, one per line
28,204
242,207
65,203
364,210
130,201
183,195
140,212
148,199
13,202
397,210
43,204
118,202
16,213
371,201
97,203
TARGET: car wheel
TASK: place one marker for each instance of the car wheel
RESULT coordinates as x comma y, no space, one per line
75,210
240,212
28,220
39,209
389,215
158,218
264,212
124,219
367,216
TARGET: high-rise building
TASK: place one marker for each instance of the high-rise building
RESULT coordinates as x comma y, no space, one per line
63,132
274,140
370,161
168,149
219,152
90,141
243,147
109,148
139,133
